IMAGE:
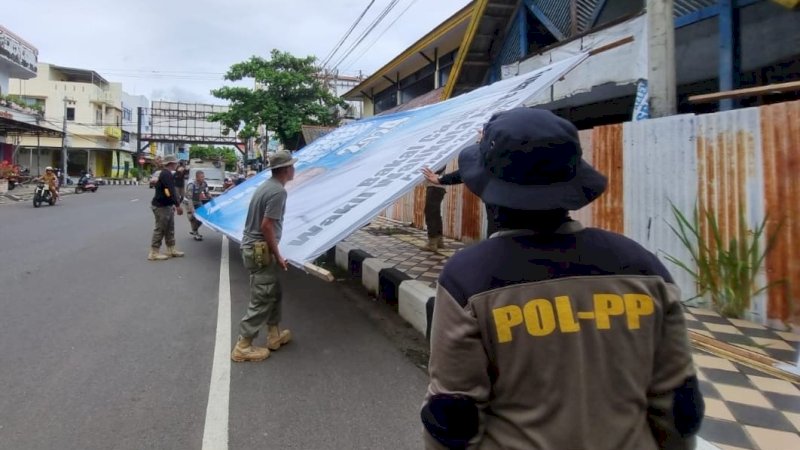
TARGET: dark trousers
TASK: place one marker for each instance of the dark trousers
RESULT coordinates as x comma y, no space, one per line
433,211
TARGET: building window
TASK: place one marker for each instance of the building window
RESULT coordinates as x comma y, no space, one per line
126,137
70,113
127,114
98,116
386,99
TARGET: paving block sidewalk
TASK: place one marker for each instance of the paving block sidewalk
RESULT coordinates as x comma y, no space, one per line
746,408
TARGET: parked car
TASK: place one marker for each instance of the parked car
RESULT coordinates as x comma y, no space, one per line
154,178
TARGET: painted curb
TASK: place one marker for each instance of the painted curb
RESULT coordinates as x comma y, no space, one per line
370,274
414,298
413,304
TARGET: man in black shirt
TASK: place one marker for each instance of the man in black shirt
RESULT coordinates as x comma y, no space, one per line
166,202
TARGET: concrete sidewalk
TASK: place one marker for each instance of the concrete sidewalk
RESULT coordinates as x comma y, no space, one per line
749,405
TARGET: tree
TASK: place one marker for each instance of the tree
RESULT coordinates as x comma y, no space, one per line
289,94
211,153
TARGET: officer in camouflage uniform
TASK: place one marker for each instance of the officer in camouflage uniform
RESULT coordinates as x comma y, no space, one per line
262,258
549,335
196,196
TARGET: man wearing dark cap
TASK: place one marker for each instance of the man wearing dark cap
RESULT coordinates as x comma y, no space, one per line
166,202
549,335
262,258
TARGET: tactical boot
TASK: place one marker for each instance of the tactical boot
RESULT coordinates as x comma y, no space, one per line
154,255
172,251
431,245
440,242
276,337
246,351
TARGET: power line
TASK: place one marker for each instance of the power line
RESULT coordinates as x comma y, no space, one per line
366,32
380,35
346,35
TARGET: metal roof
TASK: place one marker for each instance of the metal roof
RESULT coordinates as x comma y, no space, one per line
482,42
80,75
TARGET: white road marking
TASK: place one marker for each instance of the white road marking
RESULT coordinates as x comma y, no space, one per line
215,431
135,200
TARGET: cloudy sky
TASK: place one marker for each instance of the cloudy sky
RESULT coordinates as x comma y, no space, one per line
179,49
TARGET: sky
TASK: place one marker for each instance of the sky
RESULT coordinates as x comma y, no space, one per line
179,49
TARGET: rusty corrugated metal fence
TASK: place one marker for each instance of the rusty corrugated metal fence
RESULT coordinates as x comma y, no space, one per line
745,161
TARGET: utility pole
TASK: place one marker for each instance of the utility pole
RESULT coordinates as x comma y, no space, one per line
64,158
661,58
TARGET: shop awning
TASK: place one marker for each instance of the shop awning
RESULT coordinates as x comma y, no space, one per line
13,122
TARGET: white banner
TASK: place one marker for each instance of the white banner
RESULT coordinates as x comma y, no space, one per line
350,175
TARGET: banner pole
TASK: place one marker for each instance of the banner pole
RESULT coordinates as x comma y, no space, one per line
319,272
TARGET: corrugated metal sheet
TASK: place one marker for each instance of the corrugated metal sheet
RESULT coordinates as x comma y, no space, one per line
780,134
558,11
510,51
608,211
684,7
584,215
745,160
660,170
730,177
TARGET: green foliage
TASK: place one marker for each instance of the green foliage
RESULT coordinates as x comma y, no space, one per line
134,172
212,153
13,99
725,271
289,95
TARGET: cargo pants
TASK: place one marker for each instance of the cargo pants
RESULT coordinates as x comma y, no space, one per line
265,291
165,226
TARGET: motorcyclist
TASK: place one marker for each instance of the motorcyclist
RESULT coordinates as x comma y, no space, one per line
51,180
85,178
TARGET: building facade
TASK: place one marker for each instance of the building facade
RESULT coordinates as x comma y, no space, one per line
718,45
92,109
19,117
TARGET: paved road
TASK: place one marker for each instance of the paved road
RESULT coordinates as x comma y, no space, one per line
100,348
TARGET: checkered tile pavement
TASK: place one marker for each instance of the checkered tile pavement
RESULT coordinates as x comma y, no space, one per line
745,408
780,345
403,247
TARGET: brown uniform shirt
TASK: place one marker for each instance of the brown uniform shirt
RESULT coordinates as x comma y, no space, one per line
574,340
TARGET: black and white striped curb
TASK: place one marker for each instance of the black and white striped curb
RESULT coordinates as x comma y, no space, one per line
121,183
414,299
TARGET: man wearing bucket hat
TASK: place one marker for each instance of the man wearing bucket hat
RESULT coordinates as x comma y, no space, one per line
166,202
549,335
262,258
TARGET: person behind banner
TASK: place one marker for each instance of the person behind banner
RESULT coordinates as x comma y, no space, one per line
433,200
197,195
262,258
549,335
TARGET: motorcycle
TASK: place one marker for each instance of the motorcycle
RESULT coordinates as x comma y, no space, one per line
42,194
86,183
